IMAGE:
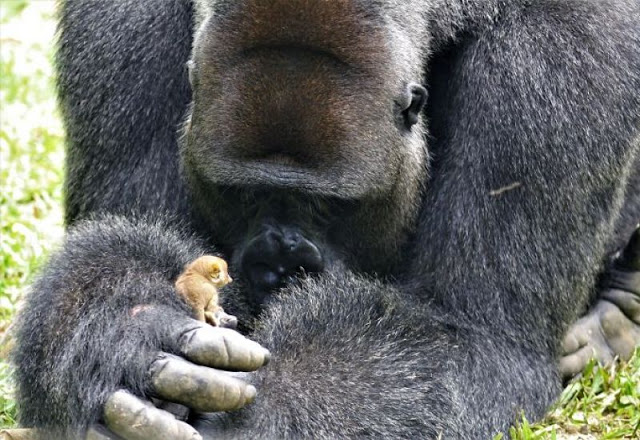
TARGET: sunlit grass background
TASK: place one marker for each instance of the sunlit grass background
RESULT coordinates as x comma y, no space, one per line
604,404
31,161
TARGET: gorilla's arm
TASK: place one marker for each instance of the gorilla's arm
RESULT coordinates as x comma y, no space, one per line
354,357
531,165
104,315
123,92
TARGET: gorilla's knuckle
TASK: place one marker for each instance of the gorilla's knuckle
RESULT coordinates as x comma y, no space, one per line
142,417
187,337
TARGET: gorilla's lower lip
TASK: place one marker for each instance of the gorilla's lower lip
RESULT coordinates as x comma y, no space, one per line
283,160
276,171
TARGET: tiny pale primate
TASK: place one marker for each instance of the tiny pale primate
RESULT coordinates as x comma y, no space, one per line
199,284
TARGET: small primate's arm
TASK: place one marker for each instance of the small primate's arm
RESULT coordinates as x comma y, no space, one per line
199,284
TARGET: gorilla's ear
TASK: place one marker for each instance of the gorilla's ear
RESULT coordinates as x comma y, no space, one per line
411,104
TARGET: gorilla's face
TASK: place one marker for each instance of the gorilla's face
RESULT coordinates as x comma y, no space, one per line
310,96
318,99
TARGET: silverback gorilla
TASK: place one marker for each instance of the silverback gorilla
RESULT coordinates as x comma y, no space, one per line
416,199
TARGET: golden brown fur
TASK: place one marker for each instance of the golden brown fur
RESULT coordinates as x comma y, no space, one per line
199,284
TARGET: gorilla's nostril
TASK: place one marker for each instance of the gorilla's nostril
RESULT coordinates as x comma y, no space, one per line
290,241
309,257
272,236
275,256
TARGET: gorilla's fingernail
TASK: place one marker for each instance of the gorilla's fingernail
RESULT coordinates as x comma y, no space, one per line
250,393
267,357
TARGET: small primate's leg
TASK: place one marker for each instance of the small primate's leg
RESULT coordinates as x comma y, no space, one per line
211,311
210,318
220,318
216,316
201,315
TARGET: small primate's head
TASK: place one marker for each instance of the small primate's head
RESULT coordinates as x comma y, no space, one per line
316,98
215,270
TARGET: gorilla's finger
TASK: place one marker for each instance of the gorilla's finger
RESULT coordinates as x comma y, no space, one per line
99,432
180,412
197,387
607,331
622,312
621,333
20,434
570,343
135,419
221,348
625,343
580,334
574,363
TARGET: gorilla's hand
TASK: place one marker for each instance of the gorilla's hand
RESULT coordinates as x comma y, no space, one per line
612,326
195,380
108,312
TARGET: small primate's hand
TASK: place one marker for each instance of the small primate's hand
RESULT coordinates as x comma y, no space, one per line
199,284
612,326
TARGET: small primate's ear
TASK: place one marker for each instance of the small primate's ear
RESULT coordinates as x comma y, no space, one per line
215,272
410,105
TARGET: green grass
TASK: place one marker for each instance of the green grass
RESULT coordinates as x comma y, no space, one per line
31,161
603,404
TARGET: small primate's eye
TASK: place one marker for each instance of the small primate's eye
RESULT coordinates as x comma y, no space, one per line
411,104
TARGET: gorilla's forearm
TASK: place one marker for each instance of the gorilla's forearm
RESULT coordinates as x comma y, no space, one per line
354,357
120,158
78,335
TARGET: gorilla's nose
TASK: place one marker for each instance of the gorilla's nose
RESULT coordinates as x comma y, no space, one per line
275,256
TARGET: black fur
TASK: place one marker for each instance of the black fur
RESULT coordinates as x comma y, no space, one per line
83,345
443,319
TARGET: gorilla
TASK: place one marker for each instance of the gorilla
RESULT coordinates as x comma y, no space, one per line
416,198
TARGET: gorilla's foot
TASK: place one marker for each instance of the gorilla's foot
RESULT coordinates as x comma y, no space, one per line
275,256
